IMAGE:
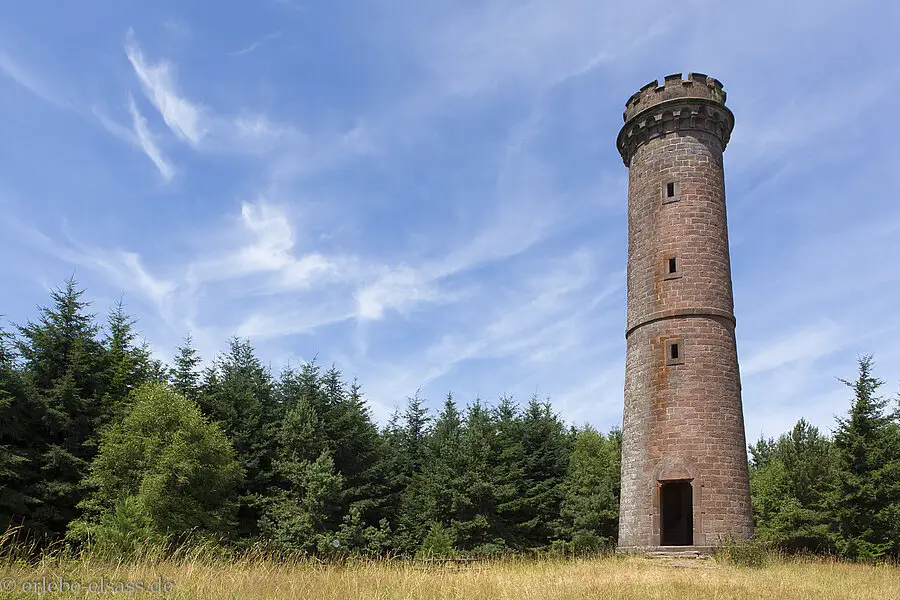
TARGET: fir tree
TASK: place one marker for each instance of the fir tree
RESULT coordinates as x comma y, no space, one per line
184,375
127,365
63,363
440,483
864,499
18,424
545,459
476,522
789,481
239,394
510,482
354,445
590,506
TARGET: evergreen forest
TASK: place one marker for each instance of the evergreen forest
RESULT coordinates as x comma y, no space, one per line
102,446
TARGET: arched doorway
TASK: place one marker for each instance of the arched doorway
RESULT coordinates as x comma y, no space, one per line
676,513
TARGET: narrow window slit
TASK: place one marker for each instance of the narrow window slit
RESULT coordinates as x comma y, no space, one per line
671,267
670,190
674,355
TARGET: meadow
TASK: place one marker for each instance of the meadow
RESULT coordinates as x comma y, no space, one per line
633,578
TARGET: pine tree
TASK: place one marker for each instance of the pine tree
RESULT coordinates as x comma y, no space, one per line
545,460
63,363
590,506
18,424
441,498
476,522
863,501
185,376
238,393
127,365
789,482
510,482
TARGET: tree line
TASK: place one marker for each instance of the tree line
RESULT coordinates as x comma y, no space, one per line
103,446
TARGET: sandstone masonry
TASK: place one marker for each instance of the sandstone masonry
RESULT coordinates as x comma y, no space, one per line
684,460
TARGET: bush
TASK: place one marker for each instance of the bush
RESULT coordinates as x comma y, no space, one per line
164,469
124,532
437,543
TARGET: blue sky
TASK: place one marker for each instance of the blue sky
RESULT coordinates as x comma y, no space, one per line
428,194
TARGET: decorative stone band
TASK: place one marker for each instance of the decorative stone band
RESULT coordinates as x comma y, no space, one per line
682,312
676,115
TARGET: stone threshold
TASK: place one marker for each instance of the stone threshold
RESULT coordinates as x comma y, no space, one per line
669,551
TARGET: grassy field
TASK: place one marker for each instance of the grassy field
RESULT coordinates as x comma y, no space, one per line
632,578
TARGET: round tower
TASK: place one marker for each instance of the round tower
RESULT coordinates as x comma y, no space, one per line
684,458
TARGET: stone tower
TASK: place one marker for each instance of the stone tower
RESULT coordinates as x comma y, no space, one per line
684,458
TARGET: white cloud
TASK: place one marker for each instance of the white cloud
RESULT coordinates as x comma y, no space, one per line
270,250
280,323
124,268
399,288
259,127
549,309
250,48
534,43
803,345
31,82
144,139
158,82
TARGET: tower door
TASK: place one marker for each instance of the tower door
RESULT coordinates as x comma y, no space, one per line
676,509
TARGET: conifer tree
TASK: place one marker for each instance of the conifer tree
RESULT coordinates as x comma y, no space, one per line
396,476
789,482
545,459
412,438
476,524
19,422
127,365
238,393
590,506
864,500
184,375
510,482
63,363
304,502
354,445
440,483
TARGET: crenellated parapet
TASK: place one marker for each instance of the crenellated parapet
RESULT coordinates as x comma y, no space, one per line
694,104
697,85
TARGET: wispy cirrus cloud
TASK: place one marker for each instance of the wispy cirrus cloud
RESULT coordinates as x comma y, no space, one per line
183,117
32,82
125,268
428,194
146,142
251,47
805,345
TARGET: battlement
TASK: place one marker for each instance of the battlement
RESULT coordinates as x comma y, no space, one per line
697,85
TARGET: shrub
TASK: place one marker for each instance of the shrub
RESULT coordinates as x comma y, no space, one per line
437,543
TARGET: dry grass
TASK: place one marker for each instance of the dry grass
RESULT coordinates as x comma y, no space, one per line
632,578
